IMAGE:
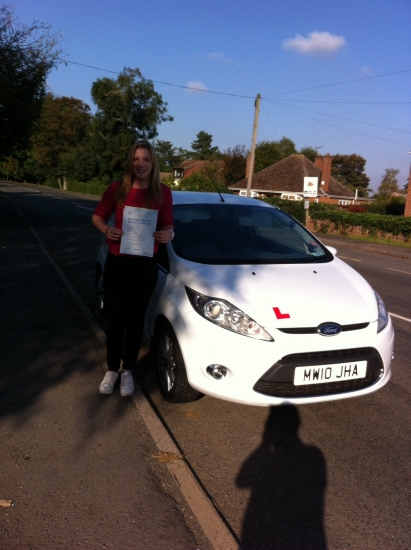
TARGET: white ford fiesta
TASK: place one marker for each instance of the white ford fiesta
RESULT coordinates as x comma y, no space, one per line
250,307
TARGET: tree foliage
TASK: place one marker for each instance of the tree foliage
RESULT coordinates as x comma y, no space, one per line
27,55
309,152
235,163
128,109
270,152
60,139
349,170
201,182
169,156
388,185
202,149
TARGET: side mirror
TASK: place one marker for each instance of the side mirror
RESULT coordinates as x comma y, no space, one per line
332,250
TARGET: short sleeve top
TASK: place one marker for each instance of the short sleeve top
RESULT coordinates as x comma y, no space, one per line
137,197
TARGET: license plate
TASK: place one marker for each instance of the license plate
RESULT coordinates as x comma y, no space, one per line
322,374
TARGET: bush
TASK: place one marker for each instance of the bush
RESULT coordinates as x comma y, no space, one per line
374,225
393,207
87,188
294,208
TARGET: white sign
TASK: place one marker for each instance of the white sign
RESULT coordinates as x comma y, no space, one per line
139,225
310,187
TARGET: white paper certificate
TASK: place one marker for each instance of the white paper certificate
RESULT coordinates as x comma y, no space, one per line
139,225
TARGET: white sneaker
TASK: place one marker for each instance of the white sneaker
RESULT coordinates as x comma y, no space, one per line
127,383
109,381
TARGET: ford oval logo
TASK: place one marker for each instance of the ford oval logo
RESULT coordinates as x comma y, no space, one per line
329,329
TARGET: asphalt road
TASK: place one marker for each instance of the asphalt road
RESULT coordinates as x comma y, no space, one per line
340,470
77,468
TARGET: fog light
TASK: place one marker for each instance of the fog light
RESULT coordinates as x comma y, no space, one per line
216,371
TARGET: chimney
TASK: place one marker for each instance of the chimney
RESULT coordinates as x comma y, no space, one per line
407,211
324,164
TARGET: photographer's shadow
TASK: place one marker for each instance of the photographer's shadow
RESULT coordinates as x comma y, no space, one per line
287,481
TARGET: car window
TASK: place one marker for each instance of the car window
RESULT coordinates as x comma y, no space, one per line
229,234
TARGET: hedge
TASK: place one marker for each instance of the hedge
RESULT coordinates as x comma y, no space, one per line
374,225
87,188
294,208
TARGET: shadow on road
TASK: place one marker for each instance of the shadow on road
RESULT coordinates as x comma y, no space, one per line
287,480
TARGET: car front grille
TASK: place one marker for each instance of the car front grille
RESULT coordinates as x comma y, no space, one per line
314,330
278,380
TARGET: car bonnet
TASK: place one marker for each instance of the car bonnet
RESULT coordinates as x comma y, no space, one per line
286,295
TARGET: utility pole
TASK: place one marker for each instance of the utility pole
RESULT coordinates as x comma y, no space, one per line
252,158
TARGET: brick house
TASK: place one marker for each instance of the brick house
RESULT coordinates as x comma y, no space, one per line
285,179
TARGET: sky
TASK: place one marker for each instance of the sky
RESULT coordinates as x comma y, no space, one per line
333,75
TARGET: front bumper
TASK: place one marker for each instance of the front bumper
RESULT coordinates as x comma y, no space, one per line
251,363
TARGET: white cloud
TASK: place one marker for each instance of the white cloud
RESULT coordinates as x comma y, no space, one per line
316,43
196,87
220,57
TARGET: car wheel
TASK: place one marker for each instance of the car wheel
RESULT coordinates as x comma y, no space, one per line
171,371
99,286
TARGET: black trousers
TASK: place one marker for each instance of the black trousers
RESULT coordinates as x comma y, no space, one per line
129,283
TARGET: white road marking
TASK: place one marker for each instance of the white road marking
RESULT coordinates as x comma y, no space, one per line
346,258
399,317
399,270
84,207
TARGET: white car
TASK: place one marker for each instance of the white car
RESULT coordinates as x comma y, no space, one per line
250,307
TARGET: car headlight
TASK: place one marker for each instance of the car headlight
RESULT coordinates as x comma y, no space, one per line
382,313
226,315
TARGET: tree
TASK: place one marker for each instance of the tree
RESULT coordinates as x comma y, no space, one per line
270,152
235,163
169,156
27,55
10,168
309,152
128,109
201,182
388,185
202,149
59,141
349,170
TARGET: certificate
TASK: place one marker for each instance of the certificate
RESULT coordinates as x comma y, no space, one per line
139,225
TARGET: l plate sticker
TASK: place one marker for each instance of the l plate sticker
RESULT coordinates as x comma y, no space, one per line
280,315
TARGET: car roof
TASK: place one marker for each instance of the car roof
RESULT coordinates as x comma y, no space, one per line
194,197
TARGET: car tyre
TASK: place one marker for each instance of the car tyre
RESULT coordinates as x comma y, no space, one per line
169,363
99,286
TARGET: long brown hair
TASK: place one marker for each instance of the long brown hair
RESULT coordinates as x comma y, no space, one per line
155,192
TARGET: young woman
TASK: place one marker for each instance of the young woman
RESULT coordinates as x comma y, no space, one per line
129,280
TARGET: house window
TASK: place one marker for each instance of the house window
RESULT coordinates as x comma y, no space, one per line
243,193
291,197
178,173
343,203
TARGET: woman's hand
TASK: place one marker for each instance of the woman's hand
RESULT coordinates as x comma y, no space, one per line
163,235
113,233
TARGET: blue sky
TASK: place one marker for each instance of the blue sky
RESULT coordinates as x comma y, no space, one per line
317,66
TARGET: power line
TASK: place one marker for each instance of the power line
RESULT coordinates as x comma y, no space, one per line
345,102
275,131
339,127
160,82
338,83
342,118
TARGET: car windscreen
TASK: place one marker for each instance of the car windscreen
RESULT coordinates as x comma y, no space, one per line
242,234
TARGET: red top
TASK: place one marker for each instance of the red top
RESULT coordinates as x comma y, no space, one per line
137,198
